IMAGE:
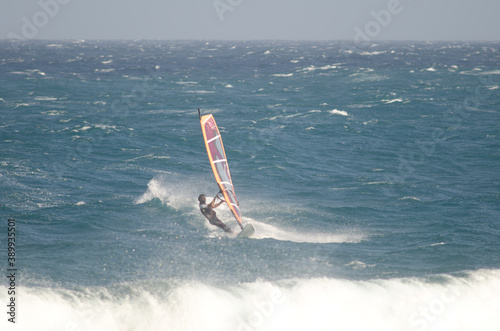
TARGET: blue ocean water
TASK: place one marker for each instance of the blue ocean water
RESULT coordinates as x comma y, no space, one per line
371,174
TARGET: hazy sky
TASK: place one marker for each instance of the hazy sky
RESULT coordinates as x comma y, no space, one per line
251,19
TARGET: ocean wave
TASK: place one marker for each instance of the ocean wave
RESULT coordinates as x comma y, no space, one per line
200,92
367,77
282,75
338,112
108,128
45,98
442,302
176,191
105,71
392,100
314,68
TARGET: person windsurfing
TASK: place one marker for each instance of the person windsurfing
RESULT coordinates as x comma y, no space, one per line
209,212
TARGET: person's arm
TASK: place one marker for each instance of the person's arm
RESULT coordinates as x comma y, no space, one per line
215,205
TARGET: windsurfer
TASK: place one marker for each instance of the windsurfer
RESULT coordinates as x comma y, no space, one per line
209,212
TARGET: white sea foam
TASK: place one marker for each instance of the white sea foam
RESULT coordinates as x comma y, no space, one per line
338,112
105,70
45,98
95,126
358,265
372,53
187,83
265,231
53,112
409,198
367,77
377,183
492,72
200,92
447,303
314,68
392,100
175,191
282,75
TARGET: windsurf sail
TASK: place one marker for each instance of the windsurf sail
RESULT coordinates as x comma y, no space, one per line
218,161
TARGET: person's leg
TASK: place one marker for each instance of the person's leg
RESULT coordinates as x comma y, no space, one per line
217,222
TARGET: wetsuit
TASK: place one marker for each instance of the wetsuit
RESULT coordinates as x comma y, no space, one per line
210,214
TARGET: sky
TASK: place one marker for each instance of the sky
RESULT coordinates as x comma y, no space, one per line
362,20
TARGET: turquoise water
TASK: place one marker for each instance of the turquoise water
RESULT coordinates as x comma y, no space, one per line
371,175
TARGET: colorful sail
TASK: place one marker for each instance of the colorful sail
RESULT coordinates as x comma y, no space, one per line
218,161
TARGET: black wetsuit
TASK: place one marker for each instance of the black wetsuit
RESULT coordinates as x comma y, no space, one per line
210,214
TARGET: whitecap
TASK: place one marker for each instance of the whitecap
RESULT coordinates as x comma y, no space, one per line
441,302
409,198
53,112
200,92
187,83
372,53
358,265
44,98
105,70
314,68
338,112
376,183
106,127
492,72
22,105
36,71
393,100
